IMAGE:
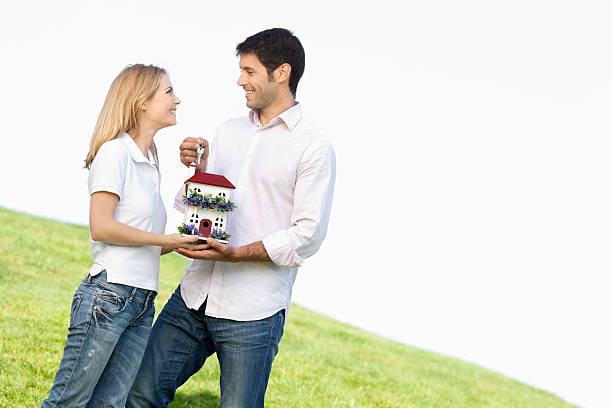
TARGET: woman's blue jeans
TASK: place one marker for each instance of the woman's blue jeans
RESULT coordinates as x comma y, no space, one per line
109,328
182,339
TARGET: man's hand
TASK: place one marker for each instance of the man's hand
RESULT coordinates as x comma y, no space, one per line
216,252
227,253
189,152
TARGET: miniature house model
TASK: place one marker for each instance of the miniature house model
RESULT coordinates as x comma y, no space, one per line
207,205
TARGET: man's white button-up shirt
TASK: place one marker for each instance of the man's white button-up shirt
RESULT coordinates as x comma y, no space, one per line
284,174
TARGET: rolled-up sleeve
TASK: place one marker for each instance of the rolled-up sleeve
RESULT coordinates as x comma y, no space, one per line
312,200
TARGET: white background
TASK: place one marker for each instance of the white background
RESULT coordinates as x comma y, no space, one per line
476,132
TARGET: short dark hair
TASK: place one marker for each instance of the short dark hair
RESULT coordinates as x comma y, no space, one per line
275,47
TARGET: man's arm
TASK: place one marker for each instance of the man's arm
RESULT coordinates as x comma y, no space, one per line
312,195
312,199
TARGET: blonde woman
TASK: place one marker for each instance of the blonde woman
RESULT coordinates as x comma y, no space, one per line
112,310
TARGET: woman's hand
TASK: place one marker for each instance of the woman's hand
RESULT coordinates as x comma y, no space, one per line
192,242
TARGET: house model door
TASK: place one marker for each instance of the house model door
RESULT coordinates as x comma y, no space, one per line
205,226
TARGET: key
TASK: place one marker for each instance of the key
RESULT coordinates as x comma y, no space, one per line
200,151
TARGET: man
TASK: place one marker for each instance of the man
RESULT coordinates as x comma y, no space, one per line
233,297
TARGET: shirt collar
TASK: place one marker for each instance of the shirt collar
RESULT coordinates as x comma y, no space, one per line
291,117
135,152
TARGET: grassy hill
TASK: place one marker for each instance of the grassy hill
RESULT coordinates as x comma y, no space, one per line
321,363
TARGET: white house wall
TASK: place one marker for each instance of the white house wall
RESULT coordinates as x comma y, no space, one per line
204,214
212,216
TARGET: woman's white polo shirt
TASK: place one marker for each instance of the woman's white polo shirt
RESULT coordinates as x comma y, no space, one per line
121,168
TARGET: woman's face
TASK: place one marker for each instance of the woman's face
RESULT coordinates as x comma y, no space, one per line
160,110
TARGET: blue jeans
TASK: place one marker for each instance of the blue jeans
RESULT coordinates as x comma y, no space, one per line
183,338
109,328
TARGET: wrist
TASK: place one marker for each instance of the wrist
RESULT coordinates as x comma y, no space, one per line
167,241
201,167
236,254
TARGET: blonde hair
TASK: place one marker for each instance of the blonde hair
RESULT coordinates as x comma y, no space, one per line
126,96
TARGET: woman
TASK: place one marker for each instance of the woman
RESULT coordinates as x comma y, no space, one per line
112,310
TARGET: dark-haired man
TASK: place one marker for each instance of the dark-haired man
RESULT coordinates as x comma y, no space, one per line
233,299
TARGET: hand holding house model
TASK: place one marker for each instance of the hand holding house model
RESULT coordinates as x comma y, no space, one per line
207,206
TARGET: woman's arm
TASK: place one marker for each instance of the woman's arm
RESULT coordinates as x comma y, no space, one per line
105,228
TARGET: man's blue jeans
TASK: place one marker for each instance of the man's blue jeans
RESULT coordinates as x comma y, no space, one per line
109,328
183,338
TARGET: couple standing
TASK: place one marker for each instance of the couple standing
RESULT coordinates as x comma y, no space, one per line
233,299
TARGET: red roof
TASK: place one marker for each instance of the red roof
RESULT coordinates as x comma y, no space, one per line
210,179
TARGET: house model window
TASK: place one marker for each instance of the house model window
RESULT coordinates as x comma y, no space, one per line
219,222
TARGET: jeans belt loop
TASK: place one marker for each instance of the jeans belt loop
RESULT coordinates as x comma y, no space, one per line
132,294
89,278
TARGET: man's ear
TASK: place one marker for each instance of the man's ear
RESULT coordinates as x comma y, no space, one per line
283,72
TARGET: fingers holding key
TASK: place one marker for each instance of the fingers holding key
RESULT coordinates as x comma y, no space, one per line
193,148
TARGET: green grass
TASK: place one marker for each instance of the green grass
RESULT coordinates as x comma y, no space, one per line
321,363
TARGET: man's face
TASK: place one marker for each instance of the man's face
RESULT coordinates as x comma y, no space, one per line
261,91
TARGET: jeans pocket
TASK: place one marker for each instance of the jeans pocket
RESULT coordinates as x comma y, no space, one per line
74,308
109,303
